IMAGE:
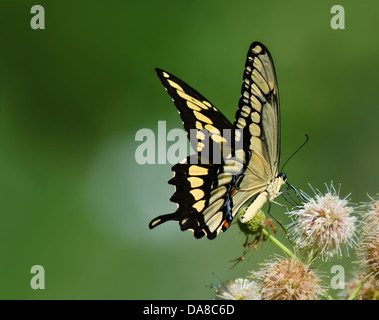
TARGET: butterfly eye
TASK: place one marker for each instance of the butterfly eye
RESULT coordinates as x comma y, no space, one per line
284,176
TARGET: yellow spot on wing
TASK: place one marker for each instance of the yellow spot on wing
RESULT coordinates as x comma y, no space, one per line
200,135
202,117
255,130
256,104
256,117
212,129
246,109
199,205
212,209
241,123
257,49
193,106
244,114
215,221
258,64
187,97
256,145
195,182
218,139
256,91
197,171
197,193
200,146
260,82
155,222
199,125
217,194
224,178
175,85
207,104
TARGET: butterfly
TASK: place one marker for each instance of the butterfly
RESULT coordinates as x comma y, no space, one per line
209,192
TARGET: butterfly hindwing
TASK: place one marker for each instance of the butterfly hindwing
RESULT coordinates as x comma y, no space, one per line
202,192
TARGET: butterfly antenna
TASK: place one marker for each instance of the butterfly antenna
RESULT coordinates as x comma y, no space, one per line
298,149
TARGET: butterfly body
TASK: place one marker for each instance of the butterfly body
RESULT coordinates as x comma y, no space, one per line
268,194
234,163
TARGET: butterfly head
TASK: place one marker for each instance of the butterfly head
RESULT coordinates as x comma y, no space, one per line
283,176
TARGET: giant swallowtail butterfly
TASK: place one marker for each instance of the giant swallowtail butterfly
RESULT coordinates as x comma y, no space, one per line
210,193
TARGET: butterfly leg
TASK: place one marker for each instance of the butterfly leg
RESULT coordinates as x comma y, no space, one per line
298,194
292,202
280,205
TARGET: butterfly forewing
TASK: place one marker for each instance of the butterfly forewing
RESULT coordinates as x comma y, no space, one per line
258,116
207,128
258,113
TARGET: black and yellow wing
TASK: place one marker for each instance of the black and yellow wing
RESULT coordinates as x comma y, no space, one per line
258,116
258,113
209,193
204,123
202,186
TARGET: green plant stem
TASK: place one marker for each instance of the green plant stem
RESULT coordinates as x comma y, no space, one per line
312,255
356,292
278,243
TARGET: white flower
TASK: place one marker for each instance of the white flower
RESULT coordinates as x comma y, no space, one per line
238,289
368,251
324,224
288,279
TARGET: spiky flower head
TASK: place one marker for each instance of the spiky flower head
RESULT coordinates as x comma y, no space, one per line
288,279
324,224
373,213
238,289
368,250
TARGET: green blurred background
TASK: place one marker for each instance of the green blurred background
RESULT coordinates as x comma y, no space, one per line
72,97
